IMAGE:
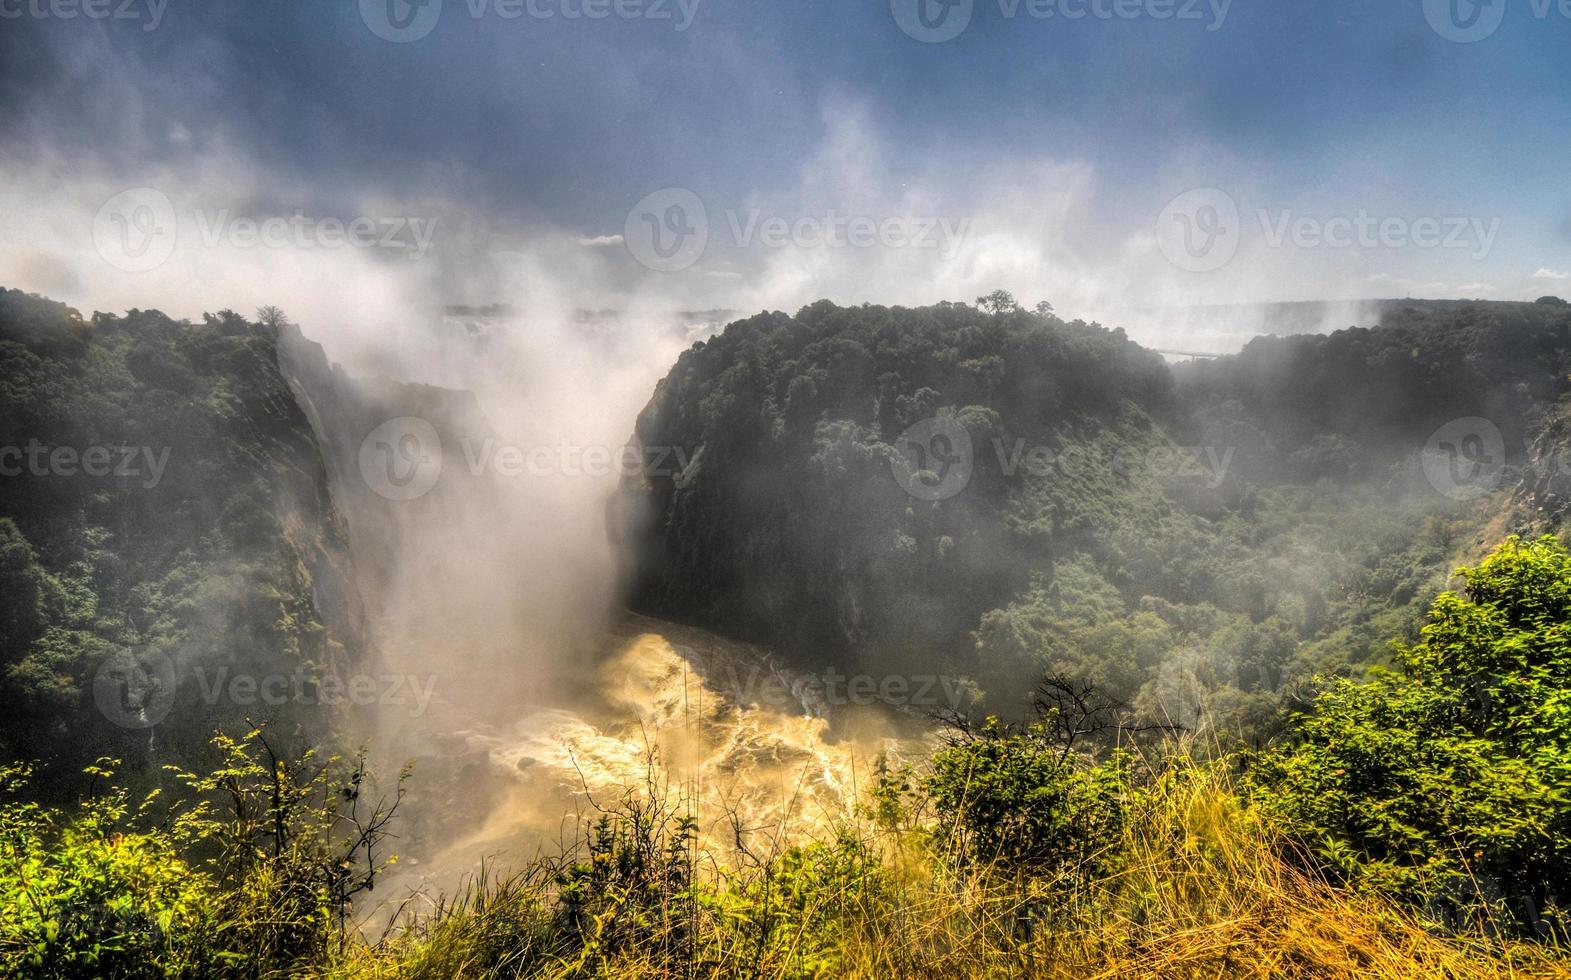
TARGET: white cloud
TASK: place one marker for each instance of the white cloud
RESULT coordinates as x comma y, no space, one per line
1547,273
601,241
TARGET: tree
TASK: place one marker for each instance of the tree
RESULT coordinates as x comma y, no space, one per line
997,302
32,597
1551,301
1021,799
272,318
1450,780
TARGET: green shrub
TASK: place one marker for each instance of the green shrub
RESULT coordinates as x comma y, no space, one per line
1025,800
1449,780
633,887
82,895
254,872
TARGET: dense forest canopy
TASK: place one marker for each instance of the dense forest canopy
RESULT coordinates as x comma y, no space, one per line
1105,550
1193,537
1197,539
165,513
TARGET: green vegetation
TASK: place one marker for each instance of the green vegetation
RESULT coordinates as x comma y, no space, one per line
1450,780
1193,541
165,512
1175,589
1011,851
254,874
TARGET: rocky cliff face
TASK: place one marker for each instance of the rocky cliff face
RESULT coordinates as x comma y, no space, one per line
367,421
1002,494
852,485
441,533
175,543
1544,491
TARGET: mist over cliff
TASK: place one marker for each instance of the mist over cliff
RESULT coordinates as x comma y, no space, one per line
999,494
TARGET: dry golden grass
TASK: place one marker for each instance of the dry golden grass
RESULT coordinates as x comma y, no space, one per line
1203,892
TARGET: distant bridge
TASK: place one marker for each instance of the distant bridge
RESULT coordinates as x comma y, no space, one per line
1193,355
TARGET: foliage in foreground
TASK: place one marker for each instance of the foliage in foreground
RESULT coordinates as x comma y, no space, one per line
252,872
1201,890
1449,781
203,546
1191,882
1416,825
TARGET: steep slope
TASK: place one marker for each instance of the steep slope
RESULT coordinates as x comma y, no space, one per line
781,517
166,531
1001,494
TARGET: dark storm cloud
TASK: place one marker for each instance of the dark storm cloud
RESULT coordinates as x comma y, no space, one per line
566,120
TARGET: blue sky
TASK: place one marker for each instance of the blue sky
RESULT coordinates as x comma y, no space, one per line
1060,140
